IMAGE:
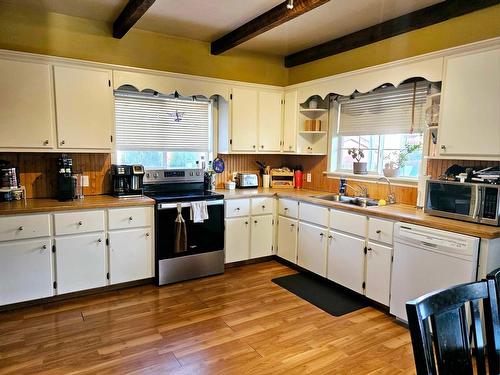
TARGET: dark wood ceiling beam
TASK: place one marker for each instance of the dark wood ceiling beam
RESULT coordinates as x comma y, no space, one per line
132,12
265,22
415,20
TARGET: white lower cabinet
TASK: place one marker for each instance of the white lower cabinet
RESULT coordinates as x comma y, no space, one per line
25,270
378,272
287,239
312,248
80,262
261,236
346,260
237,246
130,255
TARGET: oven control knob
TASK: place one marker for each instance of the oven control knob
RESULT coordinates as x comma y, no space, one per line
155,175
148,175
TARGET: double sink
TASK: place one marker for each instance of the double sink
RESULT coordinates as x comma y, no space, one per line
356,201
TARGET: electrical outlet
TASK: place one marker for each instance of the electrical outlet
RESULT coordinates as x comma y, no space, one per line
308,177
85,181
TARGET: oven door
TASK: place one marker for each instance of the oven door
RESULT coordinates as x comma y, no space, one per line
201,237
452,199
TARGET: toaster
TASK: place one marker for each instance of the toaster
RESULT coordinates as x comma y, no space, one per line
246,180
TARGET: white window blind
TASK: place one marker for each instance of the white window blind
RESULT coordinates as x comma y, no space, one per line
387,110
146,122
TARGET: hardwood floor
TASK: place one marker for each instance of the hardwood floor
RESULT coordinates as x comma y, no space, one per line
236,323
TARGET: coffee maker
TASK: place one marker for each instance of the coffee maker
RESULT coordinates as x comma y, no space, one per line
66,183
127,180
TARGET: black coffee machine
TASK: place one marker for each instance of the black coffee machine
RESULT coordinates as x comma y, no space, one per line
127,180
66,183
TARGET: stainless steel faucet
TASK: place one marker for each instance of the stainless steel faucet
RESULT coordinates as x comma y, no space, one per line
362,190
391,197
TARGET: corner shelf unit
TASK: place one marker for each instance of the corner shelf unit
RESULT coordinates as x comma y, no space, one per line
313,142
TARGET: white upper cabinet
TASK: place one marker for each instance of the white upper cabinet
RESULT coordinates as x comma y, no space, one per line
26,110
84,107
470,110
244,119
270,120
290,120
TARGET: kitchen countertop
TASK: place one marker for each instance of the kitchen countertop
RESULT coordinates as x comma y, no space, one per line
89,202
400,212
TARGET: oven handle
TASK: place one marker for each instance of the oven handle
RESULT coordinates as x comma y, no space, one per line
166,206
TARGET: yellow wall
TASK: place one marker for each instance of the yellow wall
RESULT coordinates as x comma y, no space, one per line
54,34
472,27
59,35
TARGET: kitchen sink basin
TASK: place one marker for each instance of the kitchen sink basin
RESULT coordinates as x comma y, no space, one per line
356,201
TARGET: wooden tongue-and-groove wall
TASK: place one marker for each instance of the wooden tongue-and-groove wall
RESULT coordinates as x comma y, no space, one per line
38,172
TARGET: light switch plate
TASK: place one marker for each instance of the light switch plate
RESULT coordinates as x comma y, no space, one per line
308,177
85,181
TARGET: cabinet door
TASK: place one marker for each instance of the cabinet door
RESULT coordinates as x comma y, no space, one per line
378,272
312,248
25,271
290,122
287,239
346,261
270,120
80,262
84,107
244,119
237,246
26,118
130,255
261,238
470,114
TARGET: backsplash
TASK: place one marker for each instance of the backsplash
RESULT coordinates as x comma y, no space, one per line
38,171
436,167
315,165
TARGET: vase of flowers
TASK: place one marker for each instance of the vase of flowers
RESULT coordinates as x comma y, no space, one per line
396,160
358,166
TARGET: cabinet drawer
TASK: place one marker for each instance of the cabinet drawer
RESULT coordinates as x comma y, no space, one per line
313,214
262,206
288,208
121,218
380,230
24,226
237,207
78,222
348,222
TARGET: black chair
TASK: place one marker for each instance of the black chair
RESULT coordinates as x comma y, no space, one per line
447,351
492,351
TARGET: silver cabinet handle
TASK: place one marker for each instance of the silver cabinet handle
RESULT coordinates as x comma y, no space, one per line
378,231
286,209
63,142
261,146
44,247
80,223
369,249
263,206
46,142
99,240
292,225
443,147
330,236
147,234
321,234
21,228
237,208
255,221
130,218
246,222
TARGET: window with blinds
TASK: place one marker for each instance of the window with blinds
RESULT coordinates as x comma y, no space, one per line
159,123
389,110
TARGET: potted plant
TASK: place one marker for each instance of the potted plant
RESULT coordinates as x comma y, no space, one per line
396,160
358,167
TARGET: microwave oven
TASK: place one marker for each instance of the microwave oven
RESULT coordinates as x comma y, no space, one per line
474,202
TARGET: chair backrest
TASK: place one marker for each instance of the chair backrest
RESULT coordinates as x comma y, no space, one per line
448,312
494,327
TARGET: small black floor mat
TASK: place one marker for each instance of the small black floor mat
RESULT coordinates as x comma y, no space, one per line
327,296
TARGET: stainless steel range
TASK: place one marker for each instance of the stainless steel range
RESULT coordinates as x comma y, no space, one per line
203,251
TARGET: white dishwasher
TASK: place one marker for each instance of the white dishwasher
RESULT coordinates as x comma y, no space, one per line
427,259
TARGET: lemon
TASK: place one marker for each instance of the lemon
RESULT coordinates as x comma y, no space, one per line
382,202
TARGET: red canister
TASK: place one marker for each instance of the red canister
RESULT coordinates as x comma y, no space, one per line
298,179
